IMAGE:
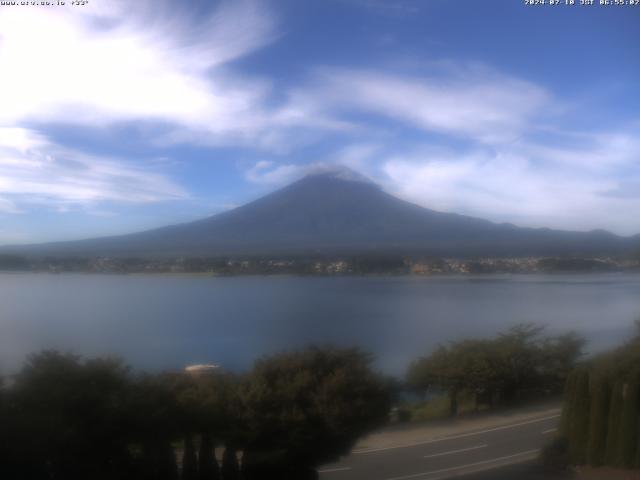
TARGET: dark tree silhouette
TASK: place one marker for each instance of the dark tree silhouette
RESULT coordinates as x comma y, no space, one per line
613,424
306,408
208,465
600,395
189,460
629,421
230,466
579,422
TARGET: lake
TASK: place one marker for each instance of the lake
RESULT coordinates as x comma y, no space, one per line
167,322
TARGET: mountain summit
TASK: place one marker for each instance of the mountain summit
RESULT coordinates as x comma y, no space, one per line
338,172
339,212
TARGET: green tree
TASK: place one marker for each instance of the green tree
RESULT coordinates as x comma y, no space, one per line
558,356
482,369
306,408
518,362
70,413
614,403
579,422
567,410
629,421
521,354
598,416
613,424
439,371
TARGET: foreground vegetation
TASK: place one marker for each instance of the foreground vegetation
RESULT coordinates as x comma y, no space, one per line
67,418
517,365
601,415
64,417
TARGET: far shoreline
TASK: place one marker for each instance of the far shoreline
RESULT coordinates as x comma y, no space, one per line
488,275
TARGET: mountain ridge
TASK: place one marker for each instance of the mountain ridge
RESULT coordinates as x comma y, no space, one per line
330,212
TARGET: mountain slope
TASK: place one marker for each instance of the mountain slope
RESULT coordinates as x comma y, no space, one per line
328,213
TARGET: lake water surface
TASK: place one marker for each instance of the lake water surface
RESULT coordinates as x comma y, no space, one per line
158,322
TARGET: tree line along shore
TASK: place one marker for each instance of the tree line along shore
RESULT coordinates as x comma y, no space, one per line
324,265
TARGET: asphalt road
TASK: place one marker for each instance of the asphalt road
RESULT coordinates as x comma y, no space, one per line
456,455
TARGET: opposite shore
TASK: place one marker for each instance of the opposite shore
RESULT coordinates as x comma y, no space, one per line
321,266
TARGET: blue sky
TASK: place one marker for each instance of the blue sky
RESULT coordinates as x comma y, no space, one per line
117,117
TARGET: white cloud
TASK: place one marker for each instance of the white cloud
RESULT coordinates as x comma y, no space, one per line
123,61
397,8
7,206
167,70
268,173
148,62
274,174
36,171
465,101
357,156
573,187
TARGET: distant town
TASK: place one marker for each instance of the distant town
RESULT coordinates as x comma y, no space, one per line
354,265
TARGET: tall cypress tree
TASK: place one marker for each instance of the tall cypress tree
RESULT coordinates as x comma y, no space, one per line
208,465
598,416
567,405
230,467
189,460
628,436
579,421
613,424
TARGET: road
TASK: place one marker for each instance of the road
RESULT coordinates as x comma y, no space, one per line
449,456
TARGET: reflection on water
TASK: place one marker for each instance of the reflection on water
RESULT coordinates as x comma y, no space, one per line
158,322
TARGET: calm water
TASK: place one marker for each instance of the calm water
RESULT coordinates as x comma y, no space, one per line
159,322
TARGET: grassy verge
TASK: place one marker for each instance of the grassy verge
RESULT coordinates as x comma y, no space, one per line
437,408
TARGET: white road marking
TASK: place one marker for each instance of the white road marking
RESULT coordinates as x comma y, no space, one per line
469,465
455,451
454,437
551,430
337,469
